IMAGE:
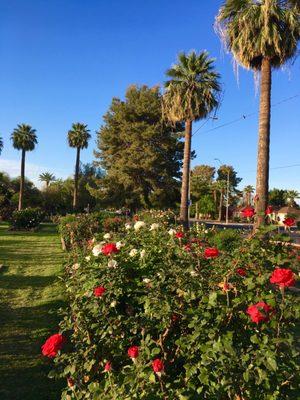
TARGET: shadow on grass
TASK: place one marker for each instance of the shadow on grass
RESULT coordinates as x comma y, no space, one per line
23,369
23,281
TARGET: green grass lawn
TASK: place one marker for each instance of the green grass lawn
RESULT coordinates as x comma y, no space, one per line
30,294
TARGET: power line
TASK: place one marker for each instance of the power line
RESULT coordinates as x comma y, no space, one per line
243,117
280,167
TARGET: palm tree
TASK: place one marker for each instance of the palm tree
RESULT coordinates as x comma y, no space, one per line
248,190
221,185
78,137
47,177
191,94
262,35
1,145
24,138
290,196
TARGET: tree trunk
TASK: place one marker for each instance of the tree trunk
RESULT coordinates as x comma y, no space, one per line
215,197
262,177
221,205
75,197
186,175
22,180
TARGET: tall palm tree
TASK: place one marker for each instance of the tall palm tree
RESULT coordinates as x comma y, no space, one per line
78,138
24,138
262,35
191,94
47,177
1,145
248,190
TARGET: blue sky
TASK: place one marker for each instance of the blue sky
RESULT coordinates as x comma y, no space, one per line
62,61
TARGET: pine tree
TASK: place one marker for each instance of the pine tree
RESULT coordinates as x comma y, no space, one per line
140,153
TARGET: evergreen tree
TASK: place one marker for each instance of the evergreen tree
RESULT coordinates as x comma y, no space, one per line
140,153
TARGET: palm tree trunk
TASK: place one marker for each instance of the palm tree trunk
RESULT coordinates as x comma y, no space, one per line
75,197
22,180
262,177
221,205
186,175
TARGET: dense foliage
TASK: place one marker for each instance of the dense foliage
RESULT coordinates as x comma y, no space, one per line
26,219
139,151
77,230
159,314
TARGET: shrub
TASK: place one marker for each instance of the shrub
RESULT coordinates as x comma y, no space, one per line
227,239
27,219
77,230
160,320
112,224
152,216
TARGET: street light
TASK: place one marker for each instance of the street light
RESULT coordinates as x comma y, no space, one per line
227,191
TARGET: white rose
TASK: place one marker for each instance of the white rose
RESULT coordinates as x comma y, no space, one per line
142,254
154,227
193,273
172,232
138,225
75,266
112,264
133,252
127,226
119,245
113,303
97,250
146,280
88,258
107,236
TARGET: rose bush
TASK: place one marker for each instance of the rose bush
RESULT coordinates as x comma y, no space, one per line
27,219
196,327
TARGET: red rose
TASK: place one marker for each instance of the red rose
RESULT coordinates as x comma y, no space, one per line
211,252
248,212
99,291
283,277
259,312
269,210
188,248
179,235
107,366
52,345
241,272
289,222
157,365
109,249
133,352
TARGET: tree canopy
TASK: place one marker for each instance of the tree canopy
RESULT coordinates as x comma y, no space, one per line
253,30
140,152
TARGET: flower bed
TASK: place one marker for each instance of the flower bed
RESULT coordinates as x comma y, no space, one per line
158,314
